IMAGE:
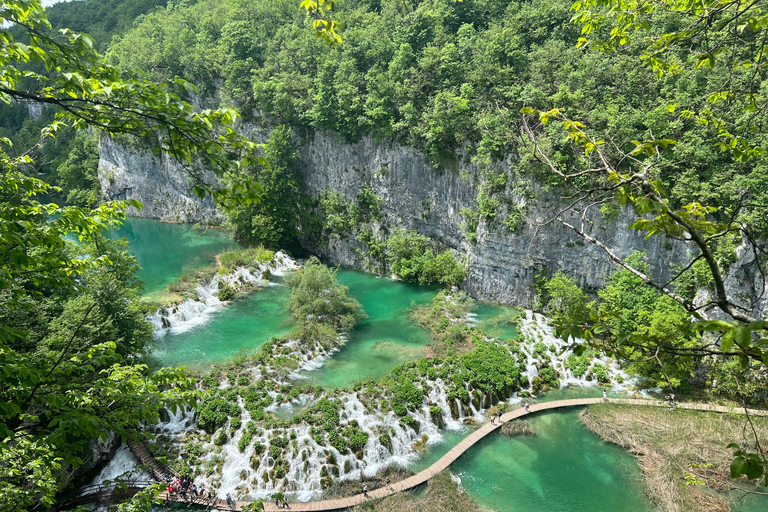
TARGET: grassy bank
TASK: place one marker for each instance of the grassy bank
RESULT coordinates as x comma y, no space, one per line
683,454
442,495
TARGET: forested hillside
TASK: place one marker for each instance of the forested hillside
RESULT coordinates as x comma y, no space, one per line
69,160
449,78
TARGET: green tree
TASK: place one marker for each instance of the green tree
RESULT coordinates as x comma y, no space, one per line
276,220
78,175
318,298
566,302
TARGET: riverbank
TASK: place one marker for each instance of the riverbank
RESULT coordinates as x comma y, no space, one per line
682,453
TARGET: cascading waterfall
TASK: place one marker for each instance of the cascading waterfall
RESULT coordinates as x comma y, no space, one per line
123,465
535,328
307,464
191,313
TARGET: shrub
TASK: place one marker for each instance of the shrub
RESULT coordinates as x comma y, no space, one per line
214,411
412,258
221,438
226,292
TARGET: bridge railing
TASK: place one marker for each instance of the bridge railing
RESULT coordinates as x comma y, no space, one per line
115,485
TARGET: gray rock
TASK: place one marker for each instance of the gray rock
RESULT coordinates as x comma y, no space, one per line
501,264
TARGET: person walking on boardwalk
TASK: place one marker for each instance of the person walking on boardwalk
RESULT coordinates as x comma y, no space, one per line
388,484
493,419
229,500
277,502
499,414
365,490
605,396
526,406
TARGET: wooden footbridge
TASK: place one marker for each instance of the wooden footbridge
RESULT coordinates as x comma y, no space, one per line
158,469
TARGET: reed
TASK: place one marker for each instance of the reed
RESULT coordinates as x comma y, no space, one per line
518,428
673,447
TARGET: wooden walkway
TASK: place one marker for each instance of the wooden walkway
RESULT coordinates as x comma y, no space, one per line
142,453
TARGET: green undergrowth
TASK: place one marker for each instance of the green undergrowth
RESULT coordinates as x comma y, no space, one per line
252,257
445,317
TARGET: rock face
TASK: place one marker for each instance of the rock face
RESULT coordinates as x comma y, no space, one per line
157,181
501,264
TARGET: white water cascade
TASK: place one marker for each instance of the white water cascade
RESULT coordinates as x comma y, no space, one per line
190,313
124,466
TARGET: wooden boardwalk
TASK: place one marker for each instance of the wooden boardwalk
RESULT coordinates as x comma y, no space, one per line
444,462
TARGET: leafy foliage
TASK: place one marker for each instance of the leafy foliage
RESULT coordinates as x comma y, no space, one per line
412,258
317,298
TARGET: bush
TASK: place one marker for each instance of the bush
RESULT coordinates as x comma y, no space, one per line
318,297
412,259
225,292
214,411
577,364
221,438
548,377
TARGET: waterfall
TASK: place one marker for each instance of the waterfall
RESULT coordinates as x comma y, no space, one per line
123,465
190,313
535,329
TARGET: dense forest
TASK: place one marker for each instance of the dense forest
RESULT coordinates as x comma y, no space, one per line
471,81
449,78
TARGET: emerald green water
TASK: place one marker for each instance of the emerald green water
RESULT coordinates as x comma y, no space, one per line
163,250
563,468
244,325
383,340
378,343
497,321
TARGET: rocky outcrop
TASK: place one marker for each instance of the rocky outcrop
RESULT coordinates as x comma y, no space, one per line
501,263
157,181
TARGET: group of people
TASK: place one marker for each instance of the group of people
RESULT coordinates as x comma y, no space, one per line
184,485
279,505
496,417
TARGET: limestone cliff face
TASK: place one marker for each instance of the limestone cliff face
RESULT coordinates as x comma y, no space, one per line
157,181
501,264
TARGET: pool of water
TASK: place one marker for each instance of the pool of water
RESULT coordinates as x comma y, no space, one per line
244,325
383,340
496,320
163,250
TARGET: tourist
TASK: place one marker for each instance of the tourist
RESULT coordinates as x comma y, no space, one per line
493,419
388,485
170,490
526,406
499,416
277,502
605,396
229,500
285,504
365,490
194,489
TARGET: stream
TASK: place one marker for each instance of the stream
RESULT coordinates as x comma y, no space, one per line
563,468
